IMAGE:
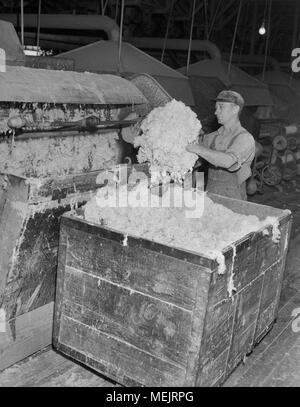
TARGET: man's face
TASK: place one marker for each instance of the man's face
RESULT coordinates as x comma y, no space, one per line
225,111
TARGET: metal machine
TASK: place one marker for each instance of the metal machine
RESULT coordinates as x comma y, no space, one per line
279,157
58,131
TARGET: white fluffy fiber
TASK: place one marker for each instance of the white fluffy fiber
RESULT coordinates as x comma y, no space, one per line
217,228
166,131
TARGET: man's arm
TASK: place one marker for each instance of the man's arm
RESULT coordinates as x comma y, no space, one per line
216,158
243,149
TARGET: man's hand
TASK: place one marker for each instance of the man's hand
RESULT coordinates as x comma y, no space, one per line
192,148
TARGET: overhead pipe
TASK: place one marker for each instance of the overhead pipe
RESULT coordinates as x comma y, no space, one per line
30,39
69,21
69,39
111,28
68,42
176,44
256,59
104,23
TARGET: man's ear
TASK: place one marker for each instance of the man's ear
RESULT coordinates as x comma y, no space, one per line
236,109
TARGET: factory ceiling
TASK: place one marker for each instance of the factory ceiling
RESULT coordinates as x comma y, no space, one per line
215,20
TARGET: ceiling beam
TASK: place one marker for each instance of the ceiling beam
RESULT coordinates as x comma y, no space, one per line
223,10
233,14
295,39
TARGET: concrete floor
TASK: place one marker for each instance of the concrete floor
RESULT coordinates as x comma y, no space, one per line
274,362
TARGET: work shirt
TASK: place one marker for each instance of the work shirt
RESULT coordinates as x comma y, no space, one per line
242,148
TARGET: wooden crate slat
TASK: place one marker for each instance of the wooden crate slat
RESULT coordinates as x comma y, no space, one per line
159,328
214,371
245,267
246,312
202,283
242,346
156,274
138,243
117,355
218,331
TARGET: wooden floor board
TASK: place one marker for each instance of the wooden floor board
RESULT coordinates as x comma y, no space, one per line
51,369
286,372
74,376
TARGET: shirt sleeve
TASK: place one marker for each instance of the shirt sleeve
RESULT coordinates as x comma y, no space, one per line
242,149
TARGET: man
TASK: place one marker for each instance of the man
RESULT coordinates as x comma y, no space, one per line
229,151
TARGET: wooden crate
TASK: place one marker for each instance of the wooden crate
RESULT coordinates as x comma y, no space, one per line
147,314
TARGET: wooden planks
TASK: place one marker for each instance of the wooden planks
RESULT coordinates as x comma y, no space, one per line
138,308
118,360
254,273
29,222
162,308
247,308
14,190
48,368
218,331
31,280
156,326
157,275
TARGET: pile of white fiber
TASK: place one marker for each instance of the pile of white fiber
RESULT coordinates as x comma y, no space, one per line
166,131
209,235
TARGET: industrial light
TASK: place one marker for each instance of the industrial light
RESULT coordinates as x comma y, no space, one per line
262,29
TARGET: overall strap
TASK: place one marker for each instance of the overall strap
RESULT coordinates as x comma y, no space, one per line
235,137
213,144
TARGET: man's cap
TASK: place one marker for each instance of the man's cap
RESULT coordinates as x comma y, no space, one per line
230,96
